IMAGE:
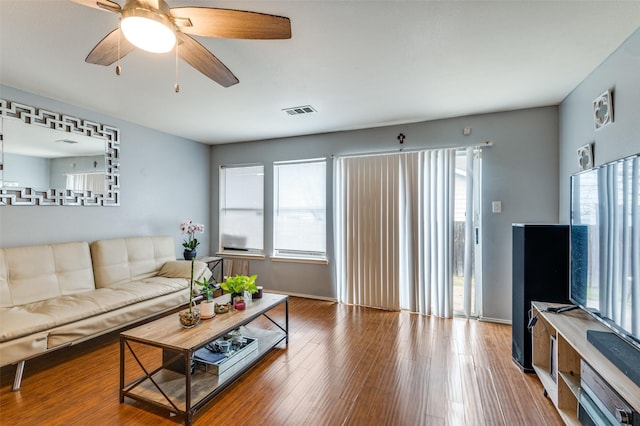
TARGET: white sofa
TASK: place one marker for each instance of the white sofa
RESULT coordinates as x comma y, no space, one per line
58,295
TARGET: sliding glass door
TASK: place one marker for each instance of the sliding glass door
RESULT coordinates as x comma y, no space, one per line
467,255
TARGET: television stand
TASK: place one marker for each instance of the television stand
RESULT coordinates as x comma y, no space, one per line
559,342
620,353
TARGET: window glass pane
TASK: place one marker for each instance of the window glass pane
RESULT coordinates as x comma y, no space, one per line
300,209
242,208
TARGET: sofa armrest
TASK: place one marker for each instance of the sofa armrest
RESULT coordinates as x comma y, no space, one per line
182,269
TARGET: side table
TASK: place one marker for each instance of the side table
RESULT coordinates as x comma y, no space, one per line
214,263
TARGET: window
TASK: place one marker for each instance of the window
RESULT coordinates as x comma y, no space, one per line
242,208
299,206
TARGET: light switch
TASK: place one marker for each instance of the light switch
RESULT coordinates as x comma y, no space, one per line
496,206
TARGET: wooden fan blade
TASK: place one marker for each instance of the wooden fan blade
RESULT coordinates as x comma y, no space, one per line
100,4
201,59
106,51
227,23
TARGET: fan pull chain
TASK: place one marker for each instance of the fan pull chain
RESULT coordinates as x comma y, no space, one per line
118,67
176,87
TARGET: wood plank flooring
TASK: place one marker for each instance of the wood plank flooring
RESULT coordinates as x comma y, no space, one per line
344,365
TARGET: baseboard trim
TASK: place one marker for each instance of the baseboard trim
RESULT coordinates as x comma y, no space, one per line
496,320
305,296
334,300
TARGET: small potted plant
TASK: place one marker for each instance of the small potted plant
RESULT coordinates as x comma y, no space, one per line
207,306
237,286
190,317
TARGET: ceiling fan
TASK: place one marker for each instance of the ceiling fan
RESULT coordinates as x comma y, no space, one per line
153,26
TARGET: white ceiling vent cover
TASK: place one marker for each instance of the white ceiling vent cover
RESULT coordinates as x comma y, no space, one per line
299,110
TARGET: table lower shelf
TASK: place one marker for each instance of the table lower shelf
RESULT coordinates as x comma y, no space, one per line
204,384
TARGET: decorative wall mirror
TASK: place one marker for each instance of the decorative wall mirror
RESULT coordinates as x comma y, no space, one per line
51,159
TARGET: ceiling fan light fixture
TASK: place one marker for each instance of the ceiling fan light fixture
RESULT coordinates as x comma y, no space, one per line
148,30
153,26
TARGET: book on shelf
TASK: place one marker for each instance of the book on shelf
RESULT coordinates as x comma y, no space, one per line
208,356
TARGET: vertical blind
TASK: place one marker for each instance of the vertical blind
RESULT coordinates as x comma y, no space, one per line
367,214
619,234
431,233
394,230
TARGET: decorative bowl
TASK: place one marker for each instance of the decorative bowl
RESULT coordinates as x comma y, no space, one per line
222,309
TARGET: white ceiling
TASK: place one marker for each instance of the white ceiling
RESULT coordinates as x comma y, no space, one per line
41,141
358,63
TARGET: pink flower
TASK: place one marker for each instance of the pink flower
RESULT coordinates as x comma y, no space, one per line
190,228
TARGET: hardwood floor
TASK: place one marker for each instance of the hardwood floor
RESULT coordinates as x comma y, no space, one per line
343,365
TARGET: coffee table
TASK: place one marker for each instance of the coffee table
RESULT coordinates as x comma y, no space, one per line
167,378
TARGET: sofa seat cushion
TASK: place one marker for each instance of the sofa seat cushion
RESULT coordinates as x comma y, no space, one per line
138,291
33,317
113,320
22,320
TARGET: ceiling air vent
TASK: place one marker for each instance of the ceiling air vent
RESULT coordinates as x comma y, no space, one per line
306,109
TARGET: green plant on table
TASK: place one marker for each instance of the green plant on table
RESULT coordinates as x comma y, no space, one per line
206,290
240,284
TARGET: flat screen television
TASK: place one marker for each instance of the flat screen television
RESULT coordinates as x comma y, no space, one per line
605,248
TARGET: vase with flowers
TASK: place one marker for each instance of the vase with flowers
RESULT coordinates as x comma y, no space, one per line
191,243
190,317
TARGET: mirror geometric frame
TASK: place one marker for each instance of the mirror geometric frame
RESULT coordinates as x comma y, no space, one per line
56,197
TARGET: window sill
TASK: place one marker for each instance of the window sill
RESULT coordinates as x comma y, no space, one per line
241,255
311,260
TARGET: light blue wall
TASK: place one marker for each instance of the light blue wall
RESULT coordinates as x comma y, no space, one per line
520,169
621,74
26,171
164,180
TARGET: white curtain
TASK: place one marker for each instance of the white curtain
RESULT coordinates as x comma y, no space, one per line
80,182
394,231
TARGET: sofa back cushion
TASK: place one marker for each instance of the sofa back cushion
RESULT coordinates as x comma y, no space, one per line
31,274
130,259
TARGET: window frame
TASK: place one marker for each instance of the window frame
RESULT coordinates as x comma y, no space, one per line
242,252
304,256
